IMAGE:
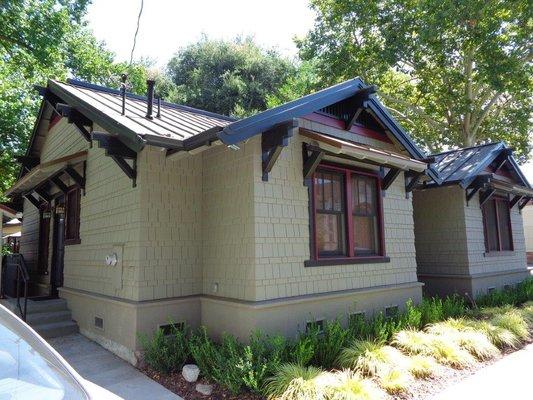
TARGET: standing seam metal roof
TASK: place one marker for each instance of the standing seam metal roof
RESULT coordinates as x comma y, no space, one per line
176,122
463,165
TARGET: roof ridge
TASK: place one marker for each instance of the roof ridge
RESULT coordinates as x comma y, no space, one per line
468,148
105,89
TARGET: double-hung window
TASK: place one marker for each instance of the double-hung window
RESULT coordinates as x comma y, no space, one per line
347,214
497,225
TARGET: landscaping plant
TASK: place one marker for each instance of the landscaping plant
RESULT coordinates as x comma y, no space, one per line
391,350
166,352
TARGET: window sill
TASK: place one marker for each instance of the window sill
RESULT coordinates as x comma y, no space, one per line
503,253
69,242
345,261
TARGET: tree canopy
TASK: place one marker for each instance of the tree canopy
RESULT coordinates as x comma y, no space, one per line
454,72
228,77
42,39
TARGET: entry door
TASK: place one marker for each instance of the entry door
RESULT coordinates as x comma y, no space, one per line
58,246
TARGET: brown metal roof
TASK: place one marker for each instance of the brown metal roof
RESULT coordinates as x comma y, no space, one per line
175,123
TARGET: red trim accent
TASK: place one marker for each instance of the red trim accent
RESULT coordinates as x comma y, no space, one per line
54,119
348,171
339,124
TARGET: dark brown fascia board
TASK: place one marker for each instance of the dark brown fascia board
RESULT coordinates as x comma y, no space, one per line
129,137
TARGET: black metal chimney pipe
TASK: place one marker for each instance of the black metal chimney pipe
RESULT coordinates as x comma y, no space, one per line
158,115
150,94
124,78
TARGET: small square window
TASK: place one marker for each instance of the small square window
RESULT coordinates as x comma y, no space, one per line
356,317
168,329
391,311
99,322
491,290
315,326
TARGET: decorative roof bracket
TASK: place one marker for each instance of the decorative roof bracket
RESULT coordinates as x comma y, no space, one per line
311,160
411,180
119,153
76,118
389,178
31,198
485,196
272,143
523,203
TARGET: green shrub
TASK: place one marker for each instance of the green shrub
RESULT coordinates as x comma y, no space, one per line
436,309
303,350
260,359
166,353
328,343
522,293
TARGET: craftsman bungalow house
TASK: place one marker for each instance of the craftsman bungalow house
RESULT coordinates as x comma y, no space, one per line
136,212
469,231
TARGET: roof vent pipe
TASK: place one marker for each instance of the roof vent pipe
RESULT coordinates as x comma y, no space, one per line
124,77
150,94
158,107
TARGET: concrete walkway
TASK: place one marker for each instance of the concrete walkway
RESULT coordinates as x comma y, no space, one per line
102,367
508,378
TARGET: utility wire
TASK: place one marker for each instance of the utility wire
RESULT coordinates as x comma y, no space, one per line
136,32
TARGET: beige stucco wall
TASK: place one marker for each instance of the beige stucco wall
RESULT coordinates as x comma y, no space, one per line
450,245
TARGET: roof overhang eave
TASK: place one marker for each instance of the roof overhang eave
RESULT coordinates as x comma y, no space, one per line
130,138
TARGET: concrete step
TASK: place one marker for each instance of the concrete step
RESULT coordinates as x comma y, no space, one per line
35,307
44,306
56,329
48,317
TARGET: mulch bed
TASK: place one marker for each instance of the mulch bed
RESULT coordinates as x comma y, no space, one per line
175,383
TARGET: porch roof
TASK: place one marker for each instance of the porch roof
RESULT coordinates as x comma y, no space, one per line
45,171
359,152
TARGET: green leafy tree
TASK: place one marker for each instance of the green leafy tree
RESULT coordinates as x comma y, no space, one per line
42,39
455,72
227,77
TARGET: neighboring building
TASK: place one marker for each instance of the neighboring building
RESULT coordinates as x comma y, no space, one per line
469,232
527,213
10,227
296,214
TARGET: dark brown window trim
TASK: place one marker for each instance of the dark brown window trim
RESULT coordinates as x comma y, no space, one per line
322,262
317,260
69,242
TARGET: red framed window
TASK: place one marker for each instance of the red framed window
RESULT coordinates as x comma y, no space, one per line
347,214
72,216
497,225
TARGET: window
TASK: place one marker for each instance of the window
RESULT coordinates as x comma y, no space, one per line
315,326
497,225
347,214
391,311
72,216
